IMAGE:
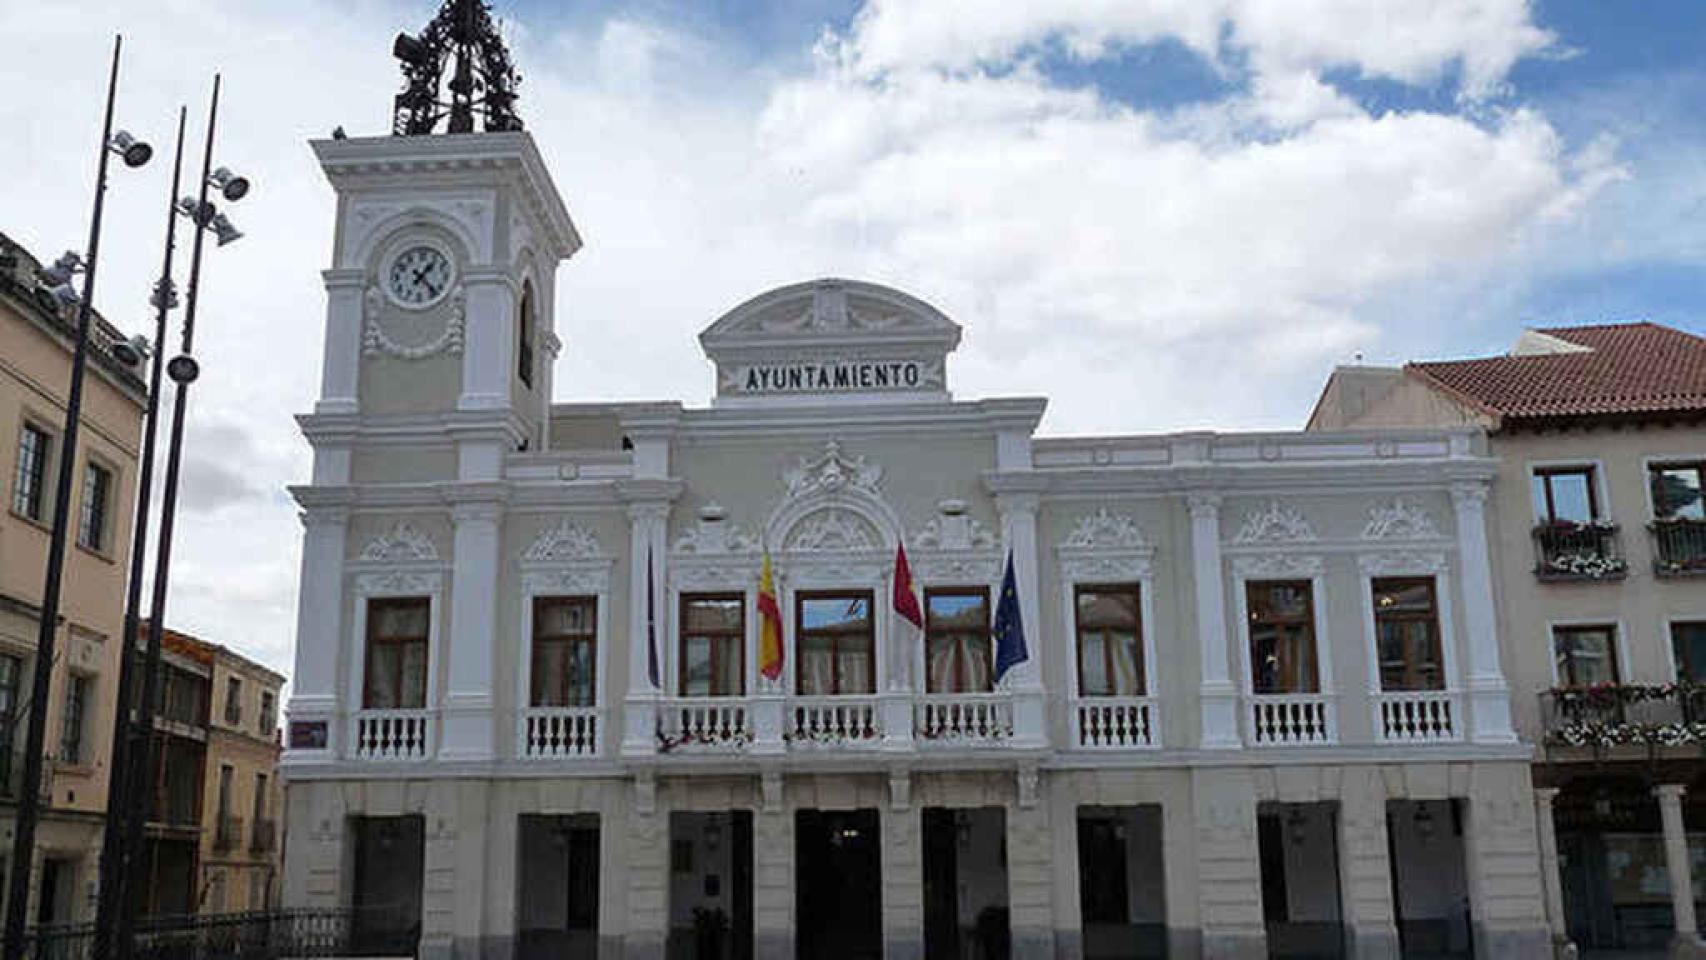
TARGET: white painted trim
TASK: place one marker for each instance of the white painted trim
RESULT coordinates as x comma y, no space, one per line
1619,644
923,584
1411,564
590,579
370,583
1145,581
1601,491
1316,574
1647,463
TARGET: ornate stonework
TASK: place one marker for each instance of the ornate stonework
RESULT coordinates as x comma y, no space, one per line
376,340
401,544
831,530
1266,566
830,473
1105,531
713,535
954,532
1274,523
1402,519
565,541
1401,562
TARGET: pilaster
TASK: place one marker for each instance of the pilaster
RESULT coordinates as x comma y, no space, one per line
1489,697
1018,512
488,355
903,876
1030,877
648,883
319,634
1219,697
1366,865
1229,870
773,881
340,364
1501,852
646,623
469,730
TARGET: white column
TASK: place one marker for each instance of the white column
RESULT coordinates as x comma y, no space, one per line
468,726
1219,697
1549,877
1489,697
1019,532
646,522
319,634
340,364
1676,859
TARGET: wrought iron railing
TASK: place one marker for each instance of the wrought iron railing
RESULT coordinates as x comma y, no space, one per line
1679,547
1629,714
268,935
1565,550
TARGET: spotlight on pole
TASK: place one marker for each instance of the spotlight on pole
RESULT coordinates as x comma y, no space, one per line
231,186
183,368
223,231
134,151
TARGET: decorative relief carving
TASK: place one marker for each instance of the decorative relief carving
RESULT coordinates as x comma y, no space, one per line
375,340
830,473
699,576
832,530
1402,519
401,544
954,531
398,584
957,570
1403,562
567,580
1277,565
1092,568
565,541
1104,531
1274,523
713,535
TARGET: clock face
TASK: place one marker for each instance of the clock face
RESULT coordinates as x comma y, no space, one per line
419,276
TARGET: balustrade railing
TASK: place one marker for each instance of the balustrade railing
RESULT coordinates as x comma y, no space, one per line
1418,716
1116,723
1565,550
704,723
833,720
963,717
1679,547
552,733
1291,719
393,734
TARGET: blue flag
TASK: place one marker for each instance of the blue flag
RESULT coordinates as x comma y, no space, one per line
651,623
1009,626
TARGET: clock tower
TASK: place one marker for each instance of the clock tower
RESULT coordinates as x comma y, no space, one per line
439,342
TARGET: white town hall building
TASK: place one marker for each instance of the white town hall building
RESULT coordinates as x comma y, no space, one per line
528,717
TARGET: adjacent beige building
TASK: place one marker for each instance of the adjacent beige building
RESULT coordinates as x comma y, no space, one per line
1600,537
242,795
35,365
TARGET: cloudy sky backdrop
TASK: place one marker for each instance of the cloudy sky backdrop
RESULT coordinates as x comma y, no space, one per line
1163,214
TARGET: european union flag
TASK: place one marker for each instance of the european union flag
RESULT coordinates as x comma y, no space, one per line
1009,626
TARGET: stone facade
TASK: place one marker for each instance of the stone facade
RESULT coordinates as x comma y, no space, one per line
445,481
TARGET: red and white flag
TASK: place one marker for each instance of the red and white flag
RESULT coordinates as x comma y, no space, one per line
906,609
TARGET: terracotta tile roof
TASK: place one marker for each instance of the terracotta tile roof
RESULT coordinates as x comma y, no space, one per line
1628,371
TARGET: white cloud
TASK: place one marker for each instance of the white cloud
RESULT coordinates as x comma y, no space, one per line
1101,255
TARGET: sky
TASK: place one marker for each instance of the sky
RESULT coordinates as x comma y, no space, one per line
1160,214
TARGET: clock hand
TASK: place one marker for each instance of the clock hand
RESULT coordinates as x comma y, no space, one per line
420,275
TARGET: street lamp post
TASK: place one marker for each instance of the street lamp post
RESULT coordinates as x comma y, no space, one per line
135,154
183,370
116,849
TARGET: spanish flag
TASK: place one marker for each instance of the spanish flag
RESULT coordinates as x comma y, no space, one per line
769,626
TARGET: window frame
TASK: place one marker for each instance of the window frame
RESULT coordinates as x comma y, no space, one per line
267,718
233,700
368,626
1614,655
74,720
1543,472
96,509
1251,618
801,597
527,332
535,639
1671,625
683,635
1133,586
1441,635
930,632
1655,465
33,506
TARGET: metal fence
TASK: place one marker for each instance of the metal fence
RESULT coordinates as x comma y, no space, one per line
269,935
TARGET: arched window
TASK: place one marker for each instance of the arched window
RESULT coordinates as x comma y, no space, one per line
524,330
